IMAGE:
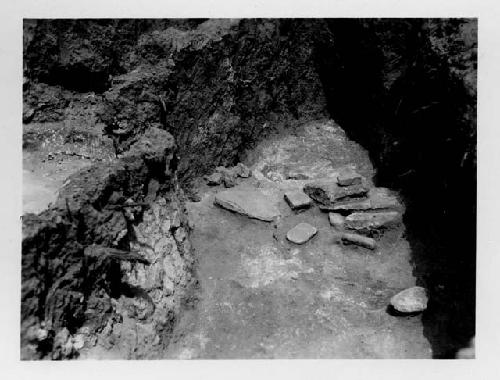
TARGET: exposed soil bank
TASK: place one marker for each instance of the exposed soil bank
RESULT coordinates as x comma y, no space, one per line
404,89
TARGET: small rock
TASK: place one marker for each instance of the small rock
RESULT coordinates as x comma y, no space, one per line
411,300
50,156
229,179
228,176
214,179
298,200
336,220
301,233
360,240
368,221
349,177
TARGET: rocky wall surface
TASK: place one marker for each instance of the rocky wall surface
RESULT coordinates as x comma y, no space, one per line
406,90
74,274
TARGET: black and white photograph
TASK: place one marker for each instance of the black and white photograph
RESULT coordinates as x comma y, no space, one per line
268,187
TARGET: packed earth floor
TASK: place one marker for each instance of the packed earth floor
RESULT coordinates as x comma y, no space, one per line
263,296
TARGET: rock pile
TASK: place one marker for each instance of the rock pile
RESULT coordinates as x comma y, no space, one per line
352,205
228,176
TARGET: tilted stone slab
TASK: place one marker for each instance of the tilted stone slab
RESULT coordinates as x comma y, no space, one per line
301,233
251,203
368,221
327,191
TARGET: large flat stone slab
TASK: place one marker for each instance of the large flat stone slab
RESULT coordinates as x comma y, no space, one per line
327,191
251,203
301,233
379,198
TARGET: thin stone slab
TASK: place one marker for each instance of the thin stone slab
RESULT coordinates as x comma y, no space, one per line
327,192
368,221
411,300
378,198
251,203
298,200
301,233
360,240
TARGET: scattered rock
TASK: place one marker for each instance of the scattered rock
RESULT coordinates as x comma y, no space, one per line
327,192
251,203
296,175
229,179
301,233
298,200
228,176
348,177
214,179
242,171
411,300
360,240
368,221
336,220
